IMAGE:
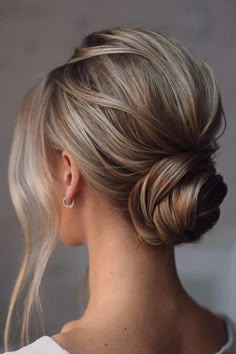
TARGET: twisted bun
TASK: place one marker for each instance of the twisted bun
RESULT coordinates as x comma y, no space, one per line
178,200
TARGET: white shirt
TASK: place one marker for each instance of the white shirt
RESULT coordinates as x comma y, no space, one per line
46,344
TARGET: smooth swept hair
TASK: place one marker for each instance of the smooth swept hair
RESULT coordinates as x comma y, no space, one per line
140,113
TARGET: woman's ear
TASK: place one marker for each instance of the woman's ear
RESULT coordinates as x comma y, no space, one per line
72,178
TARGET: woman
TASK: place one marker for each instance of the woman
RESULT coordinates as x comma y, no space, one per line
115,149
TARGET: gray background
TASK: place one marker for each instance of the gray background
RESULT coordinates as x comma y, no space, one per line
36,36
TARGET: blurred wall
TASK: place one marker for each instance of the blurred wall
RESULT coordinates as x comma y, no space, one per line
38,35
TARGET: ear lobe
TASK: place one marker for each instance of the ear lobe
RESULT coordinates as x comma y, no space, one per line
76,177
74,184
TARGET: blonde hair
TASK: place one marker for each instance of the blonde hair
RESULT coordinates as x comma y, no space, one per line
140,113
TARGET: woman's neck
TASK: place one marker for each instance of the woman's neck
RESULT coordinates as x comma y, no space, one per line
128,278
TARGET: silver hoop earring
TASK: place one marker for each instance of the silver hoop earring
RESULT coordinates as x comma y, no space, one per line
68,205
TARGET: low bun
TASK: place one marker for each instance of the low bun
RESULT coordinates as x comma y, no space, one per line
178,200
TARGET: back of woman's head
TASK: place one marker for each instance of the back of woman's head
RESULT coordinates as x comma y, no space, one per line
140,114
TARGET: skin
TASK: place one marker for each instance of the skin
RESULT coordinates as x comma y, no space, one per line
137,302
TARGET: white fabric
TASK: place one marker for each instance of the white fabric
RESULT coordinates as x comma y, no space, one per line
46,344
43,345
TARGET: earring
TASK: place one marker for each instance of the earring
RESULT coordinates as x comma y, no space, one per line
68,205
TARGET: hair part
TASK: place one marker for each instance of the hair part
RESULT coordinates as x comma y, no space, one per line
140,113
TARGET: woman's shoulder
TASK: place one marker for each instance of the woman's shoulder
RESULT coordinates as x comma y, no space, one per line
230,346
44,344
55,344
